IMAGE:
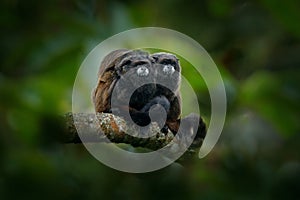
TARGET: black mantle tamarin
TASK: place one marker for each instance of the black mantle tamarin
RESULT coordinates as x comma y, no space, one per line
138,65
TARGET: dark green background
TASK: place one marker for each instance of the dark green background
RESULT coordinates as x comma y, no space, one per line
256,46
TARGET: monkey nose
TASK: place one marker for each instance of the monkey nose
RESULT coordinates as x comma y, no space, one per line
142,71
168,69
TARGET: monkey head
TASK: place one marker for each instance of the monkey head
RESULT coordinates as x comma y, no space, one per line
136,80
168,70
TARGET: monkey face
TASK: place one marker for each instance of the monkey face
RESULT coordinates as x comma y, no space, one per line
136,65
167,71
135,74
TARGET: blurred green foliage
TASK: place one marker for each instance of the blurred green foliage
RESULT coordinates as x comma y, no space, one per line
256,47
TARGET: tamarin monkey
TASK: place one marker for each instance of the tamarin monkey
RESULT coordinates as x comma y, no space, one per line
139,66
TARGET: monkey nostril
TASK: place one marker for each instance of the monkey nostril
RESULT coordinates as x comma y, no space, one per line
142,71
168,69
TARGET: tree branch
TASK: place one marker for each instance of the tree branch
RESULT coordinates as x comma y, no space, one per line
102,126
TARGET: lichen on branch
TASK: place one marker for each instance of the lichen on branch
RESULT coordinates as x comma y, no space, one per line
94,128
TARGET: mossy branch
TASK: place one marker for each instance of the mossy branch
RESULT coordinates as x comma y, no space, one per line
102,126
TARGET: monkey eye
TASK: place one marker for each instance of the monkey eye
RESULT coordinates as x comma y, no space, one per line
127,62
168,62
125,66
168,69
142,71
